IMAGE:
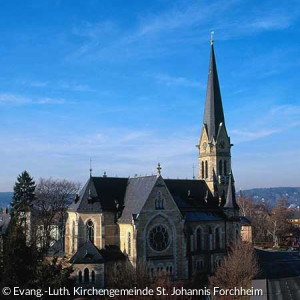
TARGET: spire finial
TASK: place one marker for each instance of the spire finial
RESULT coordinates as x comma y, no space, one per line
212,37
158,169
91,167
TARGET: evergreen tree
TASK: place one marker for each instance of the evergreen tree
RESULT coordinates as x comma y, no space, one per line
23,193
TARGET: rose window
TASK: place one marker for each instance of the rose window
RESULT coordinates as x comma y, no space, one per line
159,238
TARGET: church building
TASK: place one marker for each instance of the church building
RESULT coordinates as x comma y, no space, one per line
179,226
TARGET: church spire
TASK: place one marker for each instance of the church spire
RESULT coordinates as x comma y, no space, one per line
213,114
231,199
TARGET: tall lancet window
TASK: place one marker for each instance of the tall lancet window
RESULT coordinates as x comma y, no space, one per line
90,231
86,275
210,239
218,241
129,244
220,167
73,236
225,167
206,169
202,169
198,239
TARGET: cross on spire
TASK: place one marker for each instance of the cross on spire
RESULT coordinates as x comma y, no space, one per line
212,37
158,169
91,167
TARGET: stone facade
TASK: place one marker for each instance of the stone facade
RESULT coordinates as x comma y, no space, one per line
176,226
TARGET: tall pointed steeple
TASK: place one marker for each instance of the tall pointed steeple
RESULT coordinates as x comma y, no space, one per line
213,114
214,144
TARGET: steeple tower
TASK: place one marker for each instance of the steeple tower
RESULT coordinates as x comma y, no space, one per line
214,145
213,113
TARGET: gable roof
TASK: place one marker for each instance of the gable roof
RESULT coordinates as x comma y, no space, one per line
87,254
101,193
137,193
189,193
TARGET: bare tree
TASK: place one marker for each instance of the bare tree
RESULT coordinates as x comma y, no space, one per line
278,225
237,270
124,275
52,199
247,206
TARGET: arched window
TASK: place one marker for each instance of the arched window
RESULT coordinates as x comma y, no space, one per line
93,277
198,239
80,277
202,169
90,231
210,239
129,243
220,167
218,244
201,264
159,201
171,270
225,167
206,169
86,275
73,236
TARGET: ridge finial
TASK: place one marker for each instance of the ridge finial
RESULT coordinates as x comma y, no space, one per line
212,37
158,169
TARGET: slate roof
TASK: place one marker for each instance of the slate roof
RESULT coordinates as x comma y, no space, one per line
4,222
189,193
213,113
105,192
204,216
137,193
87,254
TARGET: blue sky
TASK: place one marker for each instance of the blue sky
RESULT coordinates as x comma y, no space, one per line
124,82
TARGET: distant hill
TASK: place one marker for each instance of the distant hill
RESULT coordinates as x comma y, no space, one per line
5,198
272,195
